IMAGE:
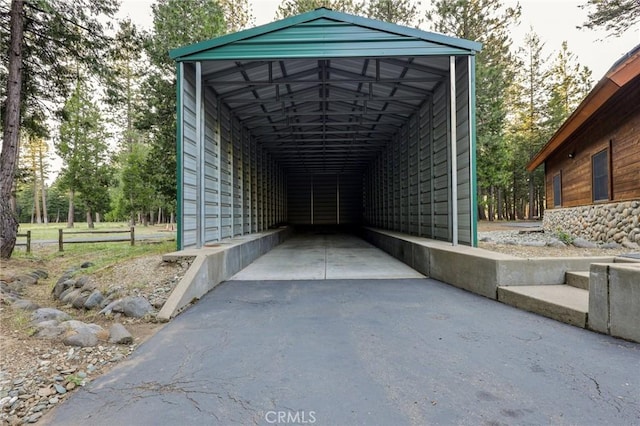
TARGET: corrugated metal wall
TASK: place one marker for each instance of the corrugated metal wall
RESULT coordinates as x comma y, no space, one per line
408,187
230,186
327,199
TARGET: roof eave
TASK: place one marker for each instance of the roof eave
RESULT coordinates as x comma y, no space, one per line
180,53
608,86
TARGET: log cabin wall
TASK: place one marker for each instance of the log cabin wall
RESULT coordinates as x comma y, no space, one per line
617,128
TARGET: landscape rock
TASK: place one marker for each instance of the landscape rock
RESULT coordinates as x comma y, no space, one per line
27,279
61,286
630,245
80,282
25,304
611,245
46,314
93,300
556,243
114,306
79,301
82,338
70,296
120,335
86,265
136,306
582,243
49,332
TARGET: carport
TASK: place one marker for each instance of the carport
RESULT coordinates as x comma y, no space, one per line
326,118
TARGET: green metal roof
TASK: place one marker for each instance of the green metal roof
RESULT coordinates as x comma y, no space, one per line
324,33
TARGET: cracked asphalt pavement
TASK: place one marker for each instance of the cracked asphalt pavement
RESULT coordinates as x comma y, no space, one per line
349,352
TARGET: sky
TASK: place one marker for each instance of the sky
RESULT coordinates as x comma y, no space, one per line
553,20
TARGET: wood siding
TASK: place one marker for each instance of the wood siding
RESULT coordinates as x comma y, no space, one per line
617,126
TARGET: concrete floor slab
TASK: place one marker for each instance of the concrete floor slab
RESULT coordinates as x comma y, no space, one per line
365,352
322,256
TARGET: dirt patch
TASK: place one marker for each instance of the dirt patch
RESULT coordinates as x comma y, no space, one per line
36,374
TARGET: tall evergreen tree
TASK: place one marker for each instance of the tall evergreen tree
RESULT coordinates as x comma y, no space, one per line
402,12
43,38
34,163
528,127
295,7
569,82
616,17
489,22
237,14
122,84
205,20
82,147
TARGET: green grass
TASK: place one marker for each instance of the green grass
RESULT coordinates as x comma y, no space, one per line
50,231
102,255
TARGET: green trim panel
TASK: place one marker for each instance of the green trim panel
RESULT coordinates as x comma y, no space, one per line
179,217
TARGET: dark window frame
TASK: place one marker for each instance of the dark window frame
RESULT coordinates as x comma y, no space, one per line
601,181
557,191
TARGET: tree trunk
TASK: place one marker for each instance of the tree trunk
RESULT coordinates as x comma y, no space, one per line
173,218
491,207
70,216
500,215
43,188
531,197
36,200
98,218
90,219
11,132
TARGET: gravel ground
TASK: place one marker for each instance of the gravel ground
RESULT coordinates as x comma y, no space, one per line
531,241
37,374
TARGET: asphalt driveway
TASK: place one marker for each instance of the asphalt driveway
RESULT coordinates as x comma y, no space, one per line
348,352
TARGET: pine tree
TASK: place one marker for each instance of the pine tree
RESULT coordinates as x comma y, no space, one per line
569,83
205,20
488,22
82,147
616,17
43,38
295,7
402,12
528,127
237,15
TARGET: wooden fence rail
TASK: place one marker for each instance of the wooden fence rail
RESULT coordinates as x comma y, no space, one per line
28,243
61,233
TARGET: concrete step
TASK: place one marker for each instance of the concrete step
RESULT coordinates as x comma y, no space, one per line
578,279
559,302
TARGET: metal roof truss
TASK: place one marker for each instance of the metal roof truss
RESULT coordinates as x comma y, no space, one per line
325,115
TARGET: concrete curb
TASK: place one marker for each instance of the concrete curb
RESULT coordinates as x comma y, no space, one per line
215,264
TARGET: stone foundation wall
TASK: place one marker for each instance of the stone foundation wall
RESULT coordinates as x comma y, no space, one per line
608,223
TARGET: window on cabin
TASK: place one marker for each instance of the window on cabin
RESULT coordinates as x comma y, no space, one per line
557,191
600,175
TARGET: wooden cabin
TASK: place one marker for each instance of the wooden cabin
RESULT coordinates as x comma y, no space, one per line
594,157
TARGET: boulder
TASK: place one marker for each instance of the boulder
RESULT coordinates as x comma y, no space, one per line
82,334
136,306
93,300
120,335
46,314
582,243
68,298
78,301
26,305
